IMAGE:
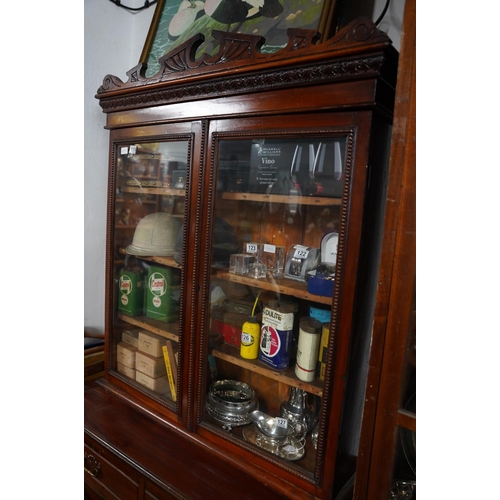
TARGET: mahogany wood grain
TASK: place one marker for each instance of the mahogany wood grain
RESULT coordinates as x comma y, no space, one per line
143,446
342,86
394,307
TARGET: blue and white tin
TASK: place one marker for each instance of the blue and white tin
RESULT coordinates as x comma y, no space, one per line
276,337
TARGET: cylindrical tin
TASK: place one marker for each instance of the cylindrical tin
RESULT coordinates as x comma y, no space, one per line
307,349
320,312
276,336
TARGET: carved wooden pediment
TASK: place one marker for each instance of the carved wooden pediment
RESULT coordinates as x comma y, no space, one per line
355,51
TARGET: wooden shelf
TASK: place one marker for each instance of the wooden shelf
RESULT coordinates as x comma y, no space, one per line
407,419
167,330
122,200
164,191
282,198
231,354
307,463
165,261
281,285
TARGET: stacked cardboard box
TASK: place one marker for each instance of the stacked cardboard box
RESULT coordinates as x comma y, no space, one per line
150,368
140,357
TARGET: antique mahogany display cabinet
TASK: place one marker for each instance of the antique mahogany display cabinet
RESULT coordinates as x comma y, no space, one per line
245,214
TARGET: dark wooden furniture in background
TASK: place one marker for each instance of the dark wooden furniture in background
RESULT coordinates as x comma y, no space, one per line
392,377
142,444
130,454
93,357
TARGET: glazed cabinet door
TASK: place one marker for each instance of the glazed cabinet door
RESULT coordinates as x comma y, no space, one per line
284,224
147,244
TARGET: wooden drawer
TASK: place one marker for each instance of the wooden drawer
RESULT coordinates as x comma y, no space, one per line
155,492
108,475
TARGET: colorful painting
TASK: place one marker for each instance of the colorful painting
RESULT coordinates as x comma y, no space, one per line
179,20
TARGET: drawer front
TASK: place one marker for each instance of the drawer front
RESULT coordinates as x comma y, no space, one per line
90,494
155,492
110,476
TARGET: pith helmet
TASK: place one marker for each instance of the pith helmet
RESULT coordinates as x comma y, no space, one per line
155,234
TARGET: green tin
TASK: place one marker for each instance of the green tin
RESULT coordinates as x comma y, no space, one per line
162,293
131,292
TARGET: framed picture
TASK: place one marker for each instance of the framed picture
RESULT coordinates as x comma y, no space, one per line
175,21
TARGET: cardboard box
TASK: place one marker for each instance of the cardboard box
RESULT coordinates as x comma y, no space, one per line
129,372
131,337
149,365
150,343
163,293
158,384
323,351
125,354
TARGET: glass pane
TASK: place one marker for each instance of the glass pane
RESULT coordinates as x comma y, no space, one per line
404,473
149,213
274,251
405,456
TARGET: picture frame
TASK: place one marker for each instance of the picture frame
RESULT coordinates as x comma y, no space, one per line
175,21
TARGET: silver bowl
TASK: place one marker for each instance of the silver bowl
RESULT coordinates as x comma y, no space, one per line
230,402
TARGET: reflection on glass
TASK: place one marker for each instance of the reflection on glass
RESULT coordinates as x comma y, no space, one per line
149,212
277,200
405,456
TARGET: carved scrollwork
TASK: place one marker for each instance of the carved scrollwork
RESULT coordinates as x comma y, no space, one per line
232,47
299,38
137,73
360,31
110,82
181,58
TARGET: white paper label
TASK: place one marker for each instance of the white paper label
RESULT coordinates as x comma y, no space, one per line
301,252
251,248
124,150
281,422
269,248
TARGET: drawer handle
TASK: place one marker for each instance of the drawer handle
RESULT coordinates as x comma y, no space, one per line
92,466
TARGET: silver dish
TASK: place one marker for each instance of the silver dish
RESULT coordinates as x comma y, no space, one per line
291,449
230,402
271,427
